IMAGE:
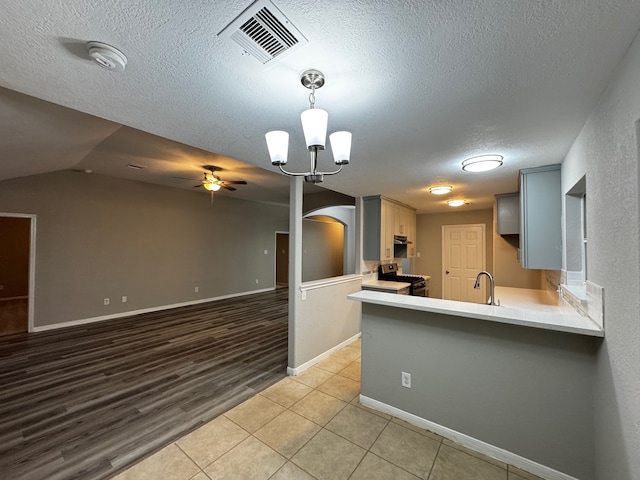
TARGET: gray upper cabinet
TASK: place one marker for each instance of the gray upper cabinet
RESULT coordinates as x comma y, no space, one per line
540,218
378,226
382,219
508,214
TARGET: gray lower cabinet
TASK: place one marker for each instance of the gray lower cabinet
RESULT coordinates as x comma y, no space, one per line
540,218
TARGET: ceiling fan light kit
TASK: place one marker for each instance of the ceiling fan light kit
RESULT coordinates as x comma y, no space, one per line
213,183
314,124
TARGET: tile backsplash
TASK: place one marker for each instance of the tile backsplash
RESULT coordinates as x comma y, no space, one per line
587,298
370,270
551,280
595,299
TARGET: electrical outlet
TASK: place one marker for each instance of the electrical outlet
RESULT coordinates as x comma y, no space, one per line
257,281
266,252
124,299
106,301
1,287
197,289
406,380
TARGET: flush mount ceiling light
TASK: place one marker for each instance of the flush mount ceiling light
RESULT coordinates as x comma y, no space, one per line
456,203
314,125
107,56
482,163
441,189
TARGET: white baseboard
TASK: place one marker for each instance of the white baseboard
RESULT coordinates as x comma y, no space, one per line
469,442
84,321
298,370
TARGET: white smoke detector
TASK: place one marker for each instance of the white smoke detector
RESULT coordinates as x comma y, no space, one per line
107,56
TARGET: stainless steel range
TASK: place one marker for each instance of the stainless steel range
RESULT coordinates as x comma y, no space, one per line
389,272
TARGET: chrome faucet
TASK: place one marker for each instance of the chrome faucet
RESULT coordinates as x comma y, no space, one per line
492,300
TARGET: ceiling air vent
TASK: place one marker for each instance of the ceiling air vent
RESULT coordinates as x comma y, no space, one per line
264,32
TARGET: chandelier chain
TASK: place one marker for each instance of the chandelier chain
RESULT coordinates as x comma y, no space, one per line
312,97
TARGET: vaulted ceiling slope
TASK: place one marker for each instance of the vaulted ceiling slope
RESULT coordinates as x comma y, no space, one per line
422,86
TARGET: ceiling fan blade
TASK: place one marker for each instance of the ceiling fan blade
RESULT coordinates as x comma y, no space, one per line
191,179
235,182
197,186
229,188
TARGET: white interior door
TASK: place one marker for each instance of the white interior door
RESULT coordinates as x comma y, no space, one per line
463,257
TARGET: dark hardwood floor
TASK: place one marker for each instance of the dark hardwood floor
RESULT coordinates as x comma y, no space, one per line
87,402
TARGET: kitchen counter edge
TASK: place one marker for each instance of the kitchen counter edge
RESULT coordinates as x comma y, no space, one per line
561,322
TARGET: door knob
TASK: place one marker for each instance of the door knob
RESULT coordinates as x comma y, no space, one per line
447,272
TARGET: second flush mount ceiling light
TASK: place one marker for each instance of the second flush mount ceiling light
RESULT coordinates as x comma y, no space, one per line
441,189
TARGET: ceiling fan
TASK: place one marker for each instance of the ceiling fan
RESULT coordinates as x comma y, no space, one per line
213,183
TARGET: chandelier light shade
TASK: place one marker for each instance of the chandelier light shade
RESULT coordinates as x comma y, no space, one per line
341,147
314,125
278,145
482,163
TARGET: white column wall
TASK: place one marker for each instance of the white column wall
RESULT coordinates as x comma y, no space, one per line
606,151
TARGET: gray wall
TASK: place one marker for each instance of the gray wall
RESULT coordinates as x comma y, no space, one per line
525,390
324,320
100,237
607,152
322,249
345,214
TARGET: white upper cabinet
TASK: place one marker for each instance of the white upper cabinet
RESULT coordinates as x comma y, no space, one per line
411,235
386,233
402,216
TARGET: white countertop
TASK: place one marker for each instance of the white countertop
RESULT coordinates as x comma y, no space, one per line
426,277
531,299
560,318
387,285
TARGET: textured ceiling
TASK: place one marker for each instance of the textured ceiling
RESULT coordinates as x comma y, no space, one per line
422,86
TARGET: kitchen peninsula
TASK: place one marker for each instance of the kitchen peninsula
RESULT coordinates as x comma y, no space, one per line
512,383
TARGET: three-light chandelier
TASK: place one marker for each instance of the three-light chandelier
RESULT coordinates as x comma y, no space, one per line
314,124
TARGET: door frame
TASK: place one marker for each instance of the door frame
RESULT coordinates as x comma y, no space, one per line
32,264
484,253
275,258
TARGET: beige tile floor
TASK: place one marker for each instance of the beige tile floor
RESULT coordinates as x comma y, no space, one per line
312,426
